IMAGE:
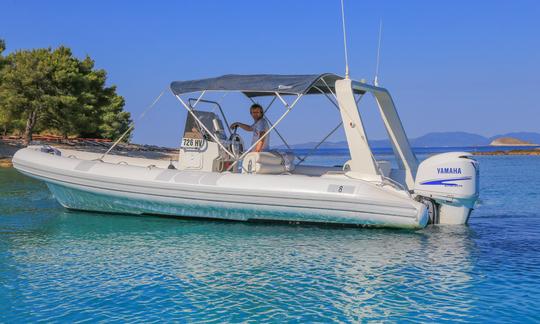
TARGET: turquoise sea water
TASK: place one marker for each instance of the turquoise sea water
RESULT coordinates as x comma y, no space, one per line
58,265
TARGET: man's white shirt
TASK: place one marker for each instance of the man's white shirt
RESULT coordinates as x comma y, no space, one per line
258,128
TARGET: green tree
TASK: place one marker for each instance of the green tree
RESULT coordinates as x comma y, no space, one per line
26,88
113,119
2,49
3,112
53,90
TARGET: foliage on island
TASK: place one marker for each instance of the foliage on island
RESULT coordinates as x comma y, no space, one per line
50,90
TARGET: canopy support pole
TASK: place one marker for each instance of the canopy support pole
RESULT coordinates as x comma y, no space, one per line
289,108
268,120
202,125
302,159
362,136
132,125
328,87
356,101
198,99
360,96
328,97
362,160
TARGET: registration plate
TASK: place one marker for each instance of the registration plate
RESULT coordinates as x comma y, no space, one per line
192,142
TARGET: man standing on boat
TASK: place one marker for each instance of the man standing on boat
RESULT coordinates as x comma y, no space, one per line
259,128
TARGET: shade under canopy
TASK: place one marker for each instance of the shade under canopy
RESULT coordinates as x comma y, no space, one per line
261,84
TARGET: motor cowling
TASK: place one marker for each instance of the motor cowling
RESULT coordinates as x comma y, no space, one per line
451,180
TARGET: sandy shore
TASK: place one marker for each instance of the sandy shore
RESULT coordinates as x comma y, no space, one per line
9,147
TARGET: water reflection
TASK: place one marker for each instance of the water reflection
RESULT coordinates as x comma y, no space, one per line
228,271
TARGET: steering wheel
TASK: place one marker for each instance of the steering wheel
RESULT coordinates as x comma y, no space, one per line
237,143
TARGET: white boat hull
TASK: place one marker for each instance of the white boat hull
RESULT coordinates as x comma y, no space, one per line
134,189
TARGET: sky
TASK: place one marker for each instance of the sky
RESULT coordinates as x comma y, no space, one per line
471,66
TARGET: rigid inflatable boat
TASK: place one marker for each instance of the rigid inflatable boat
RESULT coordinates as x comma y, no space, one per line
217,177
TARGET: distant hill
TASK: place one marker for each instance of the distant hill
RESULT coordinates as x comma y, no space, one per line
450,139
439,139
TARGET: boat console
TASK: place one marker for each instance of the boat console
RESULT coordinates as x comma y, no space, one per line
199,149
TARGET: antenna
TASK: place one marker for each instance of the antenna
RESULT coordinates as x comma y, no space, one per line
376,80
345,41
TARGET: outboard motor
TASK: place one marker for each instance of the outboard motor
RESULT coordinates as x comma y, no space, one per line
449,184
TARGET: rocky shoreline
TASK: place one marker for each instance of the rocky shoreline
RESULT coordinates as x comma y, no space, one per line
8,147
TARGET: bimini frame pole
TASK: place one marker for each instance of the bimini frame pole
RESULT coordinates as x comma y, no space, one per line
201,123
289,108
302,159
131,126
314,149
268,120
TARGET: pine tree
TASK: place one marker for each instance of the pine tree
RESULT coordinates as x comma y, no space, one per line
45,89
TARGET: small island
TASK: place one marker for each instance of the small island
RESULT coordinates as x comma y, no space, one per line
510,141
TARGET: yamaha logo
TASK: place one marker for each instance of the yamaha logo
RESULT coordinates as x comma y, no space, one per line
449,170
